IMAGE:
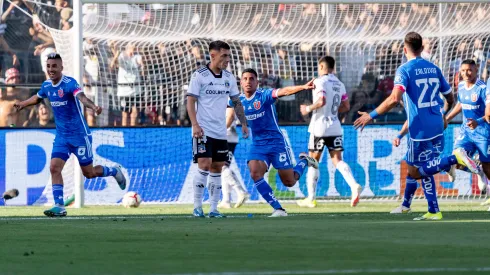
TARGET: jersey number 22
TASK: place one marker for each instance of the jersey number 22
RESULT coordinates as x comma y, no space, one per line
427,83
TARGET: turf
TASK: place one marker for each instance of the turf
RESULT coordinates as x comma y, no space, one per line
330,239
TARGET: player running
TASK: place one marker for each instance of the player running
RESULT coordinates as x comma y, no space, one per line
268,143
419,82
474,135
207,98
330,98
229,177
72,133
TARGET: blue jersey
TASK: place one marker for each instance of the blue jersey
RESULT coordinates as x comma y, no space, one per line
422,83
262,117
67,109
473,102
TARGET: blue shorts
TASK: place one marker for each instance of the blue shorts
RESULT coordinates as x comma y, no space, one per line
420,152
277,155
471,146
80,147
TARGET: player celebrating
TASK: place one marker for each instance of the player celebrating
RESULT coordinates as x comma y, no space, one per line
474,135
268,143
419,82
229,177
72,132
329,98
209,89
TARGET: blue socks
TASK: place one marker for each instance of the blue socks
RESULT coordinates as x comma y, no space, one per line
108,171
299,169
429,185
266,192
435,166
58,194
410,188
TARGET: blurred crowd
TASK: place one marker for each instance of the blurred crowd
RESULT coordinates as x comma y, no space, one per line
144,84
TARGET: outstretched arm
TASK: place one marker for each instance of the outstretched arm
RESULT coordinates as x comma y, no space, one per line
294,89
386,106
33,100
88,103
240,113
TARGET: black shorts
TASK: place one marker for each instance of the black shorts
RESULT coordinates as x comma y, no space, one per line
316,144
231,151
208,147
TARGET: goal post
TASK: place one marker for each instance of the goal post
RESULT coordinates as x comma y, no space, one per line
282,40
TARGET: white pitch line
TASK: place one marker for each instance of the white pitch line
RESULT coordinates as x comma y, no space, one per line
349,271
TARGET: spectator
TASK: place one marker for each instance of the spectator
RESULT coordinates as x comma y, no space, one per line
199,57
66,23
11,95
130,66
50,15
248,61
43,117
42,42
481,57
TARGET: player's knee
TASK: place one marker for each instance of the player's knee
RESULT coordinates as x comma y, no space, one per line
55,169
289,183
256,175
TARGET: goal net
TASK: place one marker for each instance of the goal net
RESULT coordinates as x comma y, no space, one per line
139,59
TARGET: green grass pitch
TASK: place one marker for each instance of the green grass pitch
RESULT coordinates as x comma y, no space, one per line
330,239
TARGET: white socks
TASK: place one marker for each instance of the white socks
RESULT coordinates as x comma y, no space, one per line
200,180
311,181
214,188
230,179
344,169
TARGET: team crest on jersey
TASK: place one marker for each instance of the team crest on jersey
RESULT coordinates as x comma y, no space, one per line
474,97
257,105
227,84
60,93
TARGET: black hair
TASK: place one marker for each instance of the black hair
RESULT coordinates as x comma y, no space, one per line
218,45
414,42
250,70
54,56
330,61
469,62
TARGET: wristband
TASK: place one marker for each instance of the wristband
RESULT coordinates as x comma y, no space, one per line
373,114
443,112
480,120
400,136
308,109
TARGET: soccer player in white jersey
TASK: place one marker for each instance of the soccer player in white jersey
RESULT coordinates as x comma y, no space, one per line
330,98
419,82
229,177
209,90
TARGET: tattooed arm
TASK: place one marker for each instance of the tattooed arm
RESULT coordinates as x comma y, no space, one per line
240,113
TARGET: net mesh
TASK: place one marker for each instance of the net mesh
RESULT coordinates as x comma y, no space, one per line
139,59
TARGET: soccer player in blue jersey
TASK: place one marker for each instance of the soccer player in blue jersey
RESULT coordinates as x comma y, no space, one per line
72,132
474,135
419,82
268,143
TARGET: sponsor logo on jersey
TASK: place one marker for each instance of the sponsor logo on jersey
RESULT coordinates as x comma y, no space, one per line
60,93
474,97
216,92
469,106
59,103
257,105
255,116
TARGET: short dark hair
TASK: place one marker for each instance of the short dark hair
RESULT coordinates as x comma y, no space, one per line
330,61
469,62
54,56
218,45
414,42
252,71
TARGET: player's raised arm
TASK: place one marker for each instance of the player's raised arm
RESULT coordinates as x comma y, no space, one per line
88,103
454,112
294,89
